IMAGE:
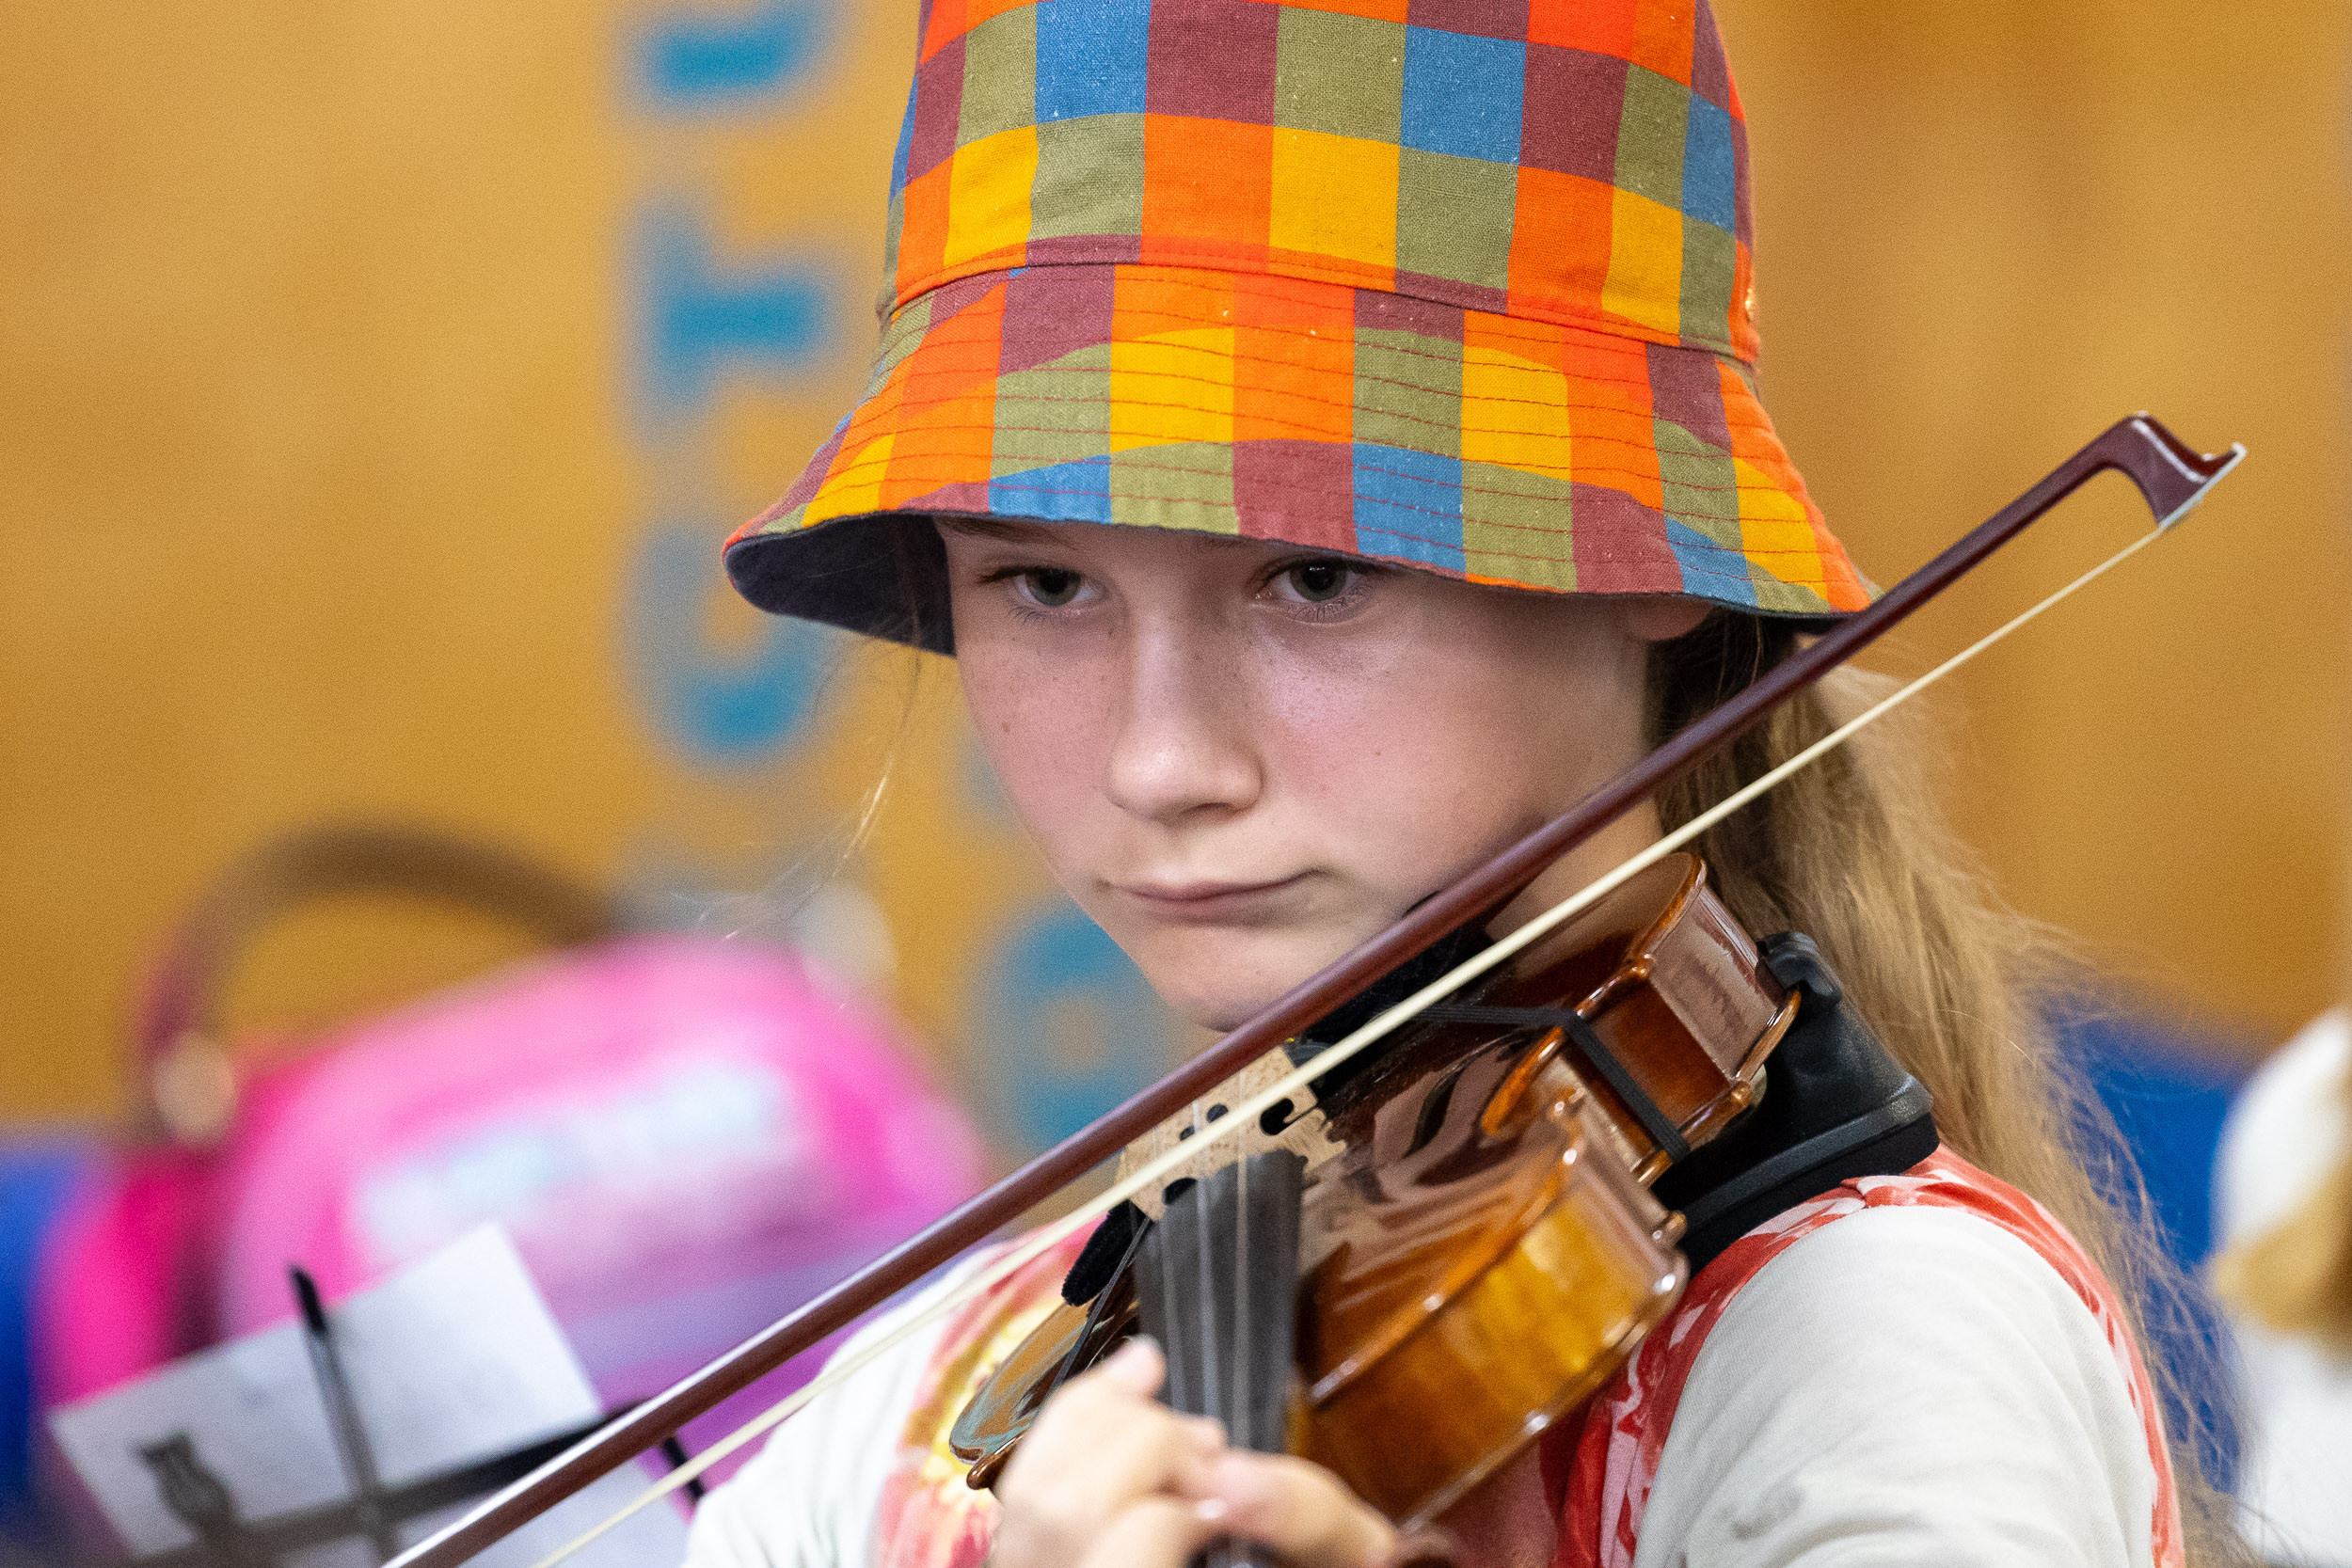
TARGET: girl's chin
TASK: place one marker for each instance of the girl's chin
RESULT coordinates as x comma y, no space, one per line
1219,1017
1218,1008
1224,990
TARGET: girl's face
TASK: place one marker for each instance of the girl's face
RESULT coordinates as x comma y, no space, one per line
1242,759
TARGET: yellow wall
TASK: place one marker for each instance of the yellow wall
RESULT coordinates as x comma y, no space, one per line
338,458
1987,230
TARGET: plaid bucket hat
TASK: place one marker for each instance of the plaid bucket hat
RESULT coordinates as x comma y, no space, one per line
1463,285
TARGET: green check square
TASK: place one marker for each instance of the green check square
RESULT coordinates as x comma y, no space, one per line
1054,413
1515,525
1409,392
1700,486
1089,177
999,77
1187,486
1650,129
1710,259
1454,218
1340,74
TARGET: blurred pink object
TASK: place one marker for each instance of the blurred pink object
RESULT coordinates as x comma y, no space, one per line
685,1137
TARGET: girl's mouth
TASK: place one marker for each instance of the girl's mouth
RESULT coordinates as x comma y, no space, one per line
1206,903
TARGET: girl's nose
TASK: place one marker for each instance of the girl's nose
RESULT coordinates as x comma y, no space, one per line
1183,747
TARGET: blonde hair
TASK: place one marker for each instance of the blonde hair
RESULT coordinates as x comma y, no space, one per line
1854,852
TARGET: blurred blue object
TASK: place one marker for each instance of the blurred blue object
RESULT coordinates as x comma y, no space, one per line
703,317
36,1179
2168,1088
2169,1085
1073,1027
689,62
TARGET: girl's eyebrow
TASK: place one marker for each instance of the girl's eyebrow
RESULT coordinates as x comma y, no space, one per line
1005,528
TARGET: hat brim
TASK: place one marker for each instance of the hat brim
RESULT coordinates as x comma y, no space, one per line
1486,446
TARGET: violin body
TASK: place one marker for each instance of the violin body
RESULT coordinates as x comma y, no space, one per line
1662,1007
1473,1292
1477,1251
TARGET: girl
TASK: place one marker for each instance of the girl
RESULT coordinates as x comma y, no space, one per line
1324,434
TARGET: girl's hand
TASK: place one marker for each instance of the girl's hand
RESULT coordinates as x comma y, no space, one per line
1109,1477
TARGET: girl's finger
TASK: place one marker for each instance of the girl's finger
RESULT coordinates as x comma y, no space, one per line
1136,1366
1117,1391
1106,1425
1100,1445
1422,1548
1157,1532
1302,1510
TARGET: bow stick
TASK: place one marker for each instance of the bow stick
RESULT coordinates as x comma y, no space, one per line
2171,478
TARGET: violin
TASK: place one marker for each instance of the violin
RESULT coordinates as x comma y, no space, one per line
1461,1231
1459,1197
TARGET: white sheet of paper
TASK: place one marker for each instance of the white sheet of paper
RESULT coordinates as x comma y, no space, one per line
454,1360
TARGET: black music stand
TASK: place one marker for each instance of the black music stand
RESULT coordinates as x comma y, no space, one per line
199,1499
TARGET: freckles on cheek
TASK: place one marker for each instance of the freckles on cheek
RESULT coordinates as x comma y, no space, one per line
1035,726
1374,752
1408,756
1329,743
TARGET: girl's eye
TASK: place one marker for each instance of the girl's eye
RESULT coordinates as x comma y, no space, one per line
1318,581
1051,586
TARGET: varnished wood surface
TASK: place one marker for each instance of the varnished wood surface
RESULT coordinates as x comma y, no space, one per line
1498,1354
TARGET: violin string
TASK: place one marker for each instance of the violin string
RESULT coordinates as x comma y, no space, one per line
1178,1375
1244,1346
1215,1352
1216,1365
1201,1356
1239,1415
1019,1254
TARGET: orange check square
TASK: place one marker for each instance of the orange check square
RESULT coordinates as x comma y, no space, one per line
1372,10
923,227
946,25
1208,180
1294,361
1559,241
1662,41
1596,29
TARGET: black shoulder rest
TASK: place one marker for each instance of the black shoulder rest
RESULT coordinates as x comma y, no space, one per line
1836,1106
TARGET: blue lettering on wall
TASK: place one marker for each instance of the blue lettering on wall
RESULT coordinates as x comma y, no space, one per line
769,321
1074,1028
718,61
717,707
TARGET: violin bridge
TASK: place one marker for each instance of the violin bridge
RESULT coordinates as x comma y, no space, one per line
1298,1129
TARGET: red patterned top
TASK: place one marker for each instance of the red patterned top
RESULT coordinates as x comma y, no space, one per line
1602,1467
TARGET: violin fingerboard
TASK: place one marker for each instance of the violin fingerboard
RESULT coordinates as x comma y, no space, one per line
1217,1284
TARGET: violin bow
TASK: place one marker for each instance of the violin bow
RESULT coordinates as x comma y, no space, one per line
2171,477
